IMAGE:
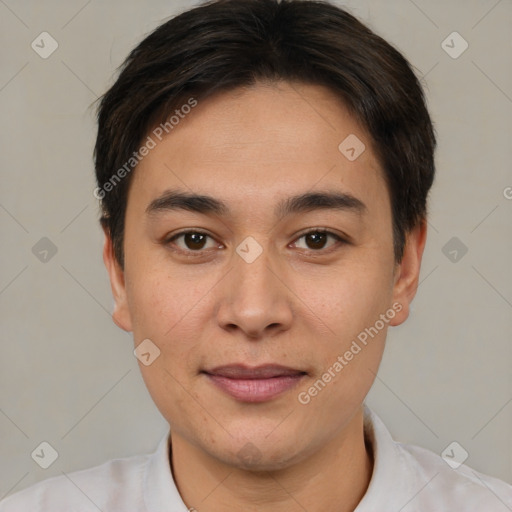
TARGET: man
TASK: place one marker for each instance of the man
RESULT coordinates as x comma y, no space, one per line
263,169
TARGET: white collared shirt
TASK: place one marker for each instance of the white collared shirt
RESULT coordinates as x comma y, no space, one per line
405,478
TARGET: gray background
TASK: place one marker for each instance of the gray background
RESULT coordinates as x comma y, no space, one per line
67,373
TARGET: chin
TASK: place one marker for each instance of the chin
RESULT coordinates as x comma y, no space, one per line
250,458
262,453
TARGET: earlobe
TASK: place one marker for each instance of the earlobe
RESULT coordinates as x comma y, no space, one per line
408,271
121,314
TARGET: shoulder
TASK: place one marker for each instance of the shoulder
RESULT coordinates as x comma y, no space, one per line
413,479
441,486
113,485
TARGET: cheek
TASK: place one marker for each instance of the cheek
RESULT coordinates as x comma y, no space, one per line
172,313
149,307
349,308
159,302
350,298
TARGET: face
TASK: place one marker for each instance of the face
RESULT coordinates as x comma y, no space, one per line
269,296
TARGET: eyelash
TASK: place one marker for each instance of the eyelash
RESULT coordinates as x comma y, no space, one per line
193,254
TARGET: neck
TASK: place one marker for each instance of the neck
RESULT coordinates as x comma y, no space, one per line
333,479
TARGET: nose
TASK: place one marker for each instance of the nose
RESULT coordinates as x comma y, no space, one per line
254,298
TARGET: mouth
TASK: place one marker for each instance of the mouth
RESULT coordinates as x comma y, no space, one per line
254,384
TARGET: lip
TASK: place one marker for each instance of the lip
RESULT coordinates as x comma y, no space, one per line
254,384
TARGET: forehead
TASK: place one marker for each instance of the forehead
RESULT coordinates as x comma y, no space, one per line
261,143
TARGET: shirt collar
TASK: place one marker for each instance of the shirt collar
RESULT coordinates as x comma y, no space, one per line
160,491
388,485
389,482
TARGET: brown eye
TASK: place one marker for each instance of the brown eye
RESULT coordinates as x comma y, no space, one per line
316,240
194,240
191,240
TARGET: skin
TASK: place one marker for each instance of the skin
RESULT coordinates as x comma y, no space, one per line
299,304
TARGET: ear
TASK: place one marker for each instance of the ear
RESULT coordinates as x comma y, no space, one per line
121,314
407,271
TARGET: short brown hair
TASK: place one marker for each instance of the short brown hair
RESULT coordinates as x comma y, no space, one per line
226,44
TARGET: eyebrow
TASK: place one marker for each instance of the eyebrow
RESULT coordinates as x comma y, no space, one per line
310,201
